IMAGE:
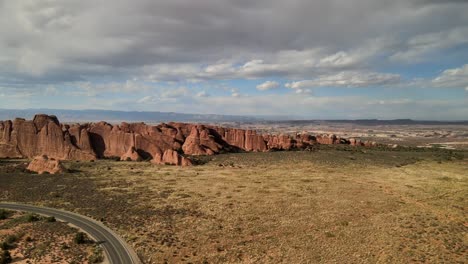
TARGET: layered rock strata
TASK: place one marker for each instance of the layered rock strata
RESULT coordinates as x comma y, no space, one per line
162,144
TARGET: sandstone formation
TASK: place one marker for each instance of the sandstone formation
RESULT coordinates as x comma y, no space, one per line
131,155
162,144
171,157
44,135
42,164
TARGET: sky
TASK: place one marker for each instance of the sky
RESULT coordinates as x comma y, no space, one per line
323,59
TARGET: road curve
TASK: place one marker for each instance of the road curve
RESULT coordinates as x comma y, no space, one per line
115,248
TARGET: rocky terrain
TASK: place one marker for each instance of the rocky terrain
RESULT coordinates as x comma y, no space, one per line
162,144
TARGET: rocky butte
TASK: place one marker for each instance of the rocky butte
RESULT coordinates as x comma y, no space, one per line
170,143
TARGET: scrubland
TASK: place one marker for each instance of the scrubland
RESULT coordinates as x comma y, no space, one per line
331,205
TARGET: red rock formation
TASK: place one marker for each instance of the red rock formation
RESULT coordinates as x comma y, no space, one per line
327,139
131,155
42,164
200,142
171,157
43,134
161,143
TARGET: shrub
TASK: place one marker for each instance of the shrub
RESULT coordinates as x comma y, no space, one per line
3,214
51,219
97,256
32,218
5,257
10,239
80,238
4,246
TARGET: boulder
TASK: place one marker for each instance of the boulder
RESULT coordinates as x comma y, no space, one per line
42,164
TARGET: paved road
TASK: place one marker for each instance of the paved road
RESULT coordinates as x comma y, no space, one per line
117,251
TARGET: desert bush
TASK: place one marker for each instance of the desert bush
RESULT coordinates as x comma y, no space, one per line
5,257
4,246
10,239
3,214
80,238
51,219
32,218
97,256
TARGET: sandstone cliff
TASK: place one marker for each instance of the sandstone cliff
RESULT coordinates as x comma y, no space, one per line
164,143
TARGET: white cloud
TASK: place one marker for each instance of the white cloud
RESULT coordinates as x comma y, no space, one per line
303,91
176,93
146,99
347,79
93,89
202,94
454,78
327,107
268,85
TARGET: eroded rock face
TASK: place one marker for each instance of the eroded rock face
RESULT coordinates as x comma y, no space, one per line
131,155
42,164
163,143
171,157
43,134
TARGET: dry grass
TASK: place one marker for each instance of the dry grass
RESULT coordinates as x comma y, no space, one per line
329,206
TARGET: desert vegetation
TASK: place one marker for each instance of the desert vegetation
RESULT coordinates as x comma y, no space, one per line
332,204
30,238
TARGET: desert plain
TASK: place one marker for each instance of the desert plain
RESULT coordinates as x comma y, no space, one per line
329,204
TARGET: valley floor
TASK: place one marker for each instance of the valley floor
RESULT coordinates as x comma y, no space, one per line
332,205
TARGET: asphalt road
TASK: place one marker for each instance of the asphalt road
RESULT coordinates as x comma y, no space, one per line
115,248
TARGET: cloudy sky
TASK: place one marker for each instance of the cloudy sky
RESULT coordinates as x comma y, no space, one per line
316,59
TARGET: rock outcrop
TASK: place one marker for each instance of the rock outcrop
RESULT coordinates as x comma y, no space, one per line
44,135
171,157
164,143
43,164
131,155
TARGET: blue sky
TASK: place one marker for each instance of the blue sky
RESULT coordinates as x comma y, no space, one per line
312,59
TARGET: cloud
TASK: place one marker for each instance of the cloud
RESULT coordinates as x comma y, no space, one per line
61,41
268,85
347,79
333,107
146,99
419,47
173,54
303,91
93,89
202,94
453,78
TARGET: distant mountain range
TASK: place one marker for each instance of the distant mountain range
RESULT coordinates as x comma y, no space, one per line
158,117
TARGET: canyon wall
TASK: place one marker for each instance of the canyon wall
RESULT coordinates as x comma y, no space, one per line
162,144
